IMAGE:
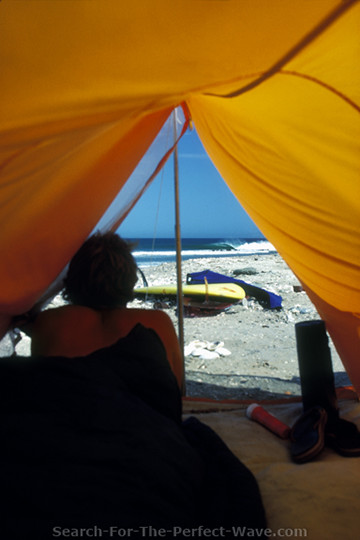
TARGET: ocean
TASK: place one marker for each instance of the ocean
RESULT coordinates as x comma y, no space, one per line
149,252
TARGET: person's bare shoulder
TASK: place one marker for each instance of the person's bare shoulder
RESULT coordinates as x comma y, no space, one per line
64,315
56,330
151,318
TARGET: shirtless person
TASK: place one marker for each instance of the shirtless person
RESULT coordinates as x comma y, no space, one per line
99,284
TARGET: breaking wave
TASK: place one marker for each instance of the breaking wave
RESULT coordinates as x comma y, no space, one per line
147,252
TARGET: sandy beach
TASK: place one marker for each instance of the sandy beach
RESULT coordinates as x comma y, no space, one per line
262,363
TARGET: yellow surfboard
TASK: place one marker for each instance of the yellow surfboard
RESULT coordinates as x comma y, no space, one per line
230,292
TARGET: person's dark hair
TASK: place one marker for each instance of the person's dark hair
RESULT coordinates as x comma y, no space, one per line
102,274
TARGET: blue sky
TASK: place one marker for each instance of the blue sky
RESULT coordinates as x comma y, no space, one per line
207,206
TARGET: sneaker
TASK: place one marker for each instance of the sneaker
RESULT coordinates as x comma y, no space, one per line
308,435
343,437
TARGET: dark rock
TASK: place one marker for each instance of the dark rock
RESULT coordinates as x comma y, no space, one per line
249,270
298,288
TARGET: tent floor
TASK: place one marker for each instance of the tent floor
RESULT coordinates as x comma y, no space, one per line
316,500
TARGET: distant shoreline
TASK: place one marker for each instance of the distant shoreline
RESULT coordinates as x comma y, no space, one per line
163,250
185,257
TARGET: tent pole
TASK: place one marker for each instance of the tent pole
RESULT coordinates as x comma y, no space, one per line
180,305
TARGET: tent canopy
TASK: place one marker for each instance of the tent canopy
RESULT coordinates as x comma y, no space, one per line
272,88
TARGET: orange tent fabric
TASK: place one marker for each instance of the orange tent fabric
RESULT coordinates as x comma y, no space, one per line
272,88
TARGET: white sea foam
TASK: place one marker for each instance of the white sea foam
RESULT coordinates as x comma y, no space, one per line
223,249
